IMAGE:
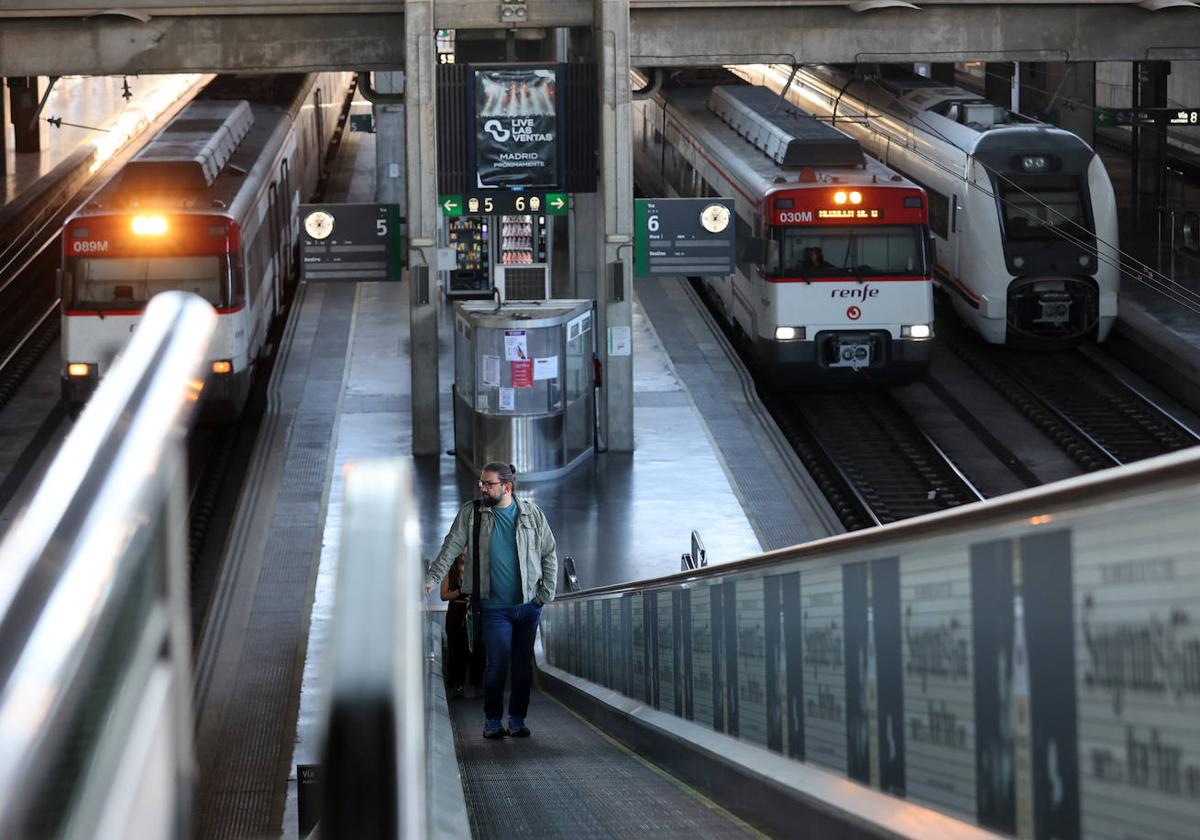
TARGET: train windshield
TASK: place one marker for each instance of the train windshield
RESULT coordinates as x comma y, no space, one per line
855,251
1042,207
105,284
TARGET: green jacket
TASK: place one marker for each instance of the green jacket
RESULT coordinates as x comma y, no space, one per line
537,553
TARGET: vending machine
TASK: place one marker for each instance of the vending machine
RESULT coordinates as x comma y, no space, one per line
484,246
522,240
472,275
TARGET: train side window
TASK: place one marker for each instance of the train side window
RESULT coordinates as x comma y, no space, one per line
939,213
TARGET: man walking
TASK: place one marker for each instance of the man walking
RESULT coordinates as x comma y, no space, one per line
517,561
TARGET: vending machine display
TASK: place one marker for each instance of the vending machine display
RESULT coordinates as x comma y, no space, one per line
468,236
522,240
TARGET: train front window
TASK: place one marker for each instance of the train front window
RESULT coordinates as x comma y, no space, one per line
105,284
1042,208
855,251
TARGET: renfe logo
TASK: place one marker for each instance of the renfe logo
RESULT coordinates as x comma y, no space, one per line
865,292
89,247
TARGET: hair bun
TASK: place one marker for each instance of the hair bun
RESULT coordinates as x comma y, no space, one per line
512,469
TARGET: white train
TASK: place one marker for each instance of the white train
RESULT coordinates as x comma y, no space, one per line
209,206
1023,213
832,282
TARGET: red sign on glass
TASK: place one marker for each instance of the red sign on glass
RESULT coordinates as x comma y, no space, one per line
522,374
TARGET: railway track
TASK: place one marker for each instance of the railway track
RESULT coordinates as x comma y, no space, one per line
1096,418
868,456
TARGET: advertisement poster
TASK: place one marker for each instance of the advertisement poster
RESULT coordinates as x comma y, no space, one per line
516,347
516,128
522,374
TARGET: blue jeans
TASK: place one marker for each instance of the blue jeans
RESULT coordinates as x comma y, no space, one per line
508,633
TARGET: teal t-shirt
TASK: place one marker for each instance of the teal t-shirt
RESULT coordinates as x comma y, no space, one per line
502,559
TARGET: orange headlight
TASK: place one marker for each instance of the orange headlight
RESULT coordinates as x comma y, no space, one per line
223,366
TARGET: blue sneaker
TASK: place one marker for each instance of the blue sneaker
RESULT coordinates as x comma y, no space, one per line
517,727
493,728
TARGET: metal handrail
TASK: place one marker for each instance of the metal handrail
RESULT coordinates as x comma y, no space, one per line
97,567
1093,488
373,761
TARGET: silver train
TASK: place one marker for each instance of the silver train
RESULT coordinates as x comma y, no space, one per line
1023,214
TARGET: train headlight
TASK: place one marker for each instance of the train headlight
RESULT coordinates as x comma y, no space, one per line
839,197
78,369
1035,163
856,197
789,333
1018,262
915,331
222,367
1085,260
149,225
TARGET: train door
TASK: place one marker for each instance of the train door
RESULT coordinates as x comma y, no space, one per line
955,223
273,220
287,216
319,127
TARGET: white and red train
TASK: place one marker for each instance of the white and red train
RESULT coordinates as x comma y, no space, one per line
1023,213
209,206
832,283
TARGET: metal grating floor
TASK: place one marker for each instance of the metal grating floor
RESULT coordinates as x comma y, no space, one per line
569,781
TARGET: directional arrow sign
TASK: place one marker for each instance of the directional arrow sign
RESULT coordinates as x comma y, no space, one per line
557,204
451,205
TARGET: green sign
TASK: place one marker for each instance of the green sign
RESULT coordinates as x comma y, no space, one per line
691,237
505,203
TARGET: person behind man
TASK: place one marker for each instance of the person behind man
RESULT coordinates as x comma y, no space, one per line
518,570
463,665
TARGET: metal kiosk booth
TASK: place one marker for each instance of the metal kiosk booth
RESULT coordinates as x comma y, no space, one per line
523,391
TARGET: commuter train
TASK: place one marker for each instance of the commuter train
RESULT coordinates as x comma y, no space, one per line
1023,214
832,279
208,206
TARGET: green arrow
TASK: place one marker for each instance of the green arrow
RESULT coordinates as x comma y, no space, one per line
451,204
557,204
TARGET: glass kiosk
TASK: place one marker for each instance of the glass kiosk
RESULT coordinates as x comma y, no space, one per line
523,385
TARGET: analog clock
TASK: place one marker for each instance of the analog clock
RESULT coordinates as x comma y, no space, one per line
318,224
715,218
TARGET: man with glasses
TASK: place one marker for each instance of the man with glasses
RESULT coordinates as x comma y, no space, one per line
511,554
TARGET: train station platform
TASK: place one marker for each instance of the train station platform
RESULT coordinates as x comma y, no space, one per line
707,458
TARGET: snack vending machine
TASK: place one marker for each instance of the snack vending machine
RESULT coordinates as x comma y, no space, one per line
522,240
472,275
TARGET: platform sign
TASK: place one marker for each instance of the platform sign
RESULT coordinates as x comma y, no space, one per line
506,203
1147,116
688,236
346,243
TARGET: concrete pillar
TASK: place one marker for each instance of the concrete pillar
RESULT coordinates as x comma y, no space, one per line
420,136
943,71
23,99
1149,144
391,167
614,228
997,82
1073,108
